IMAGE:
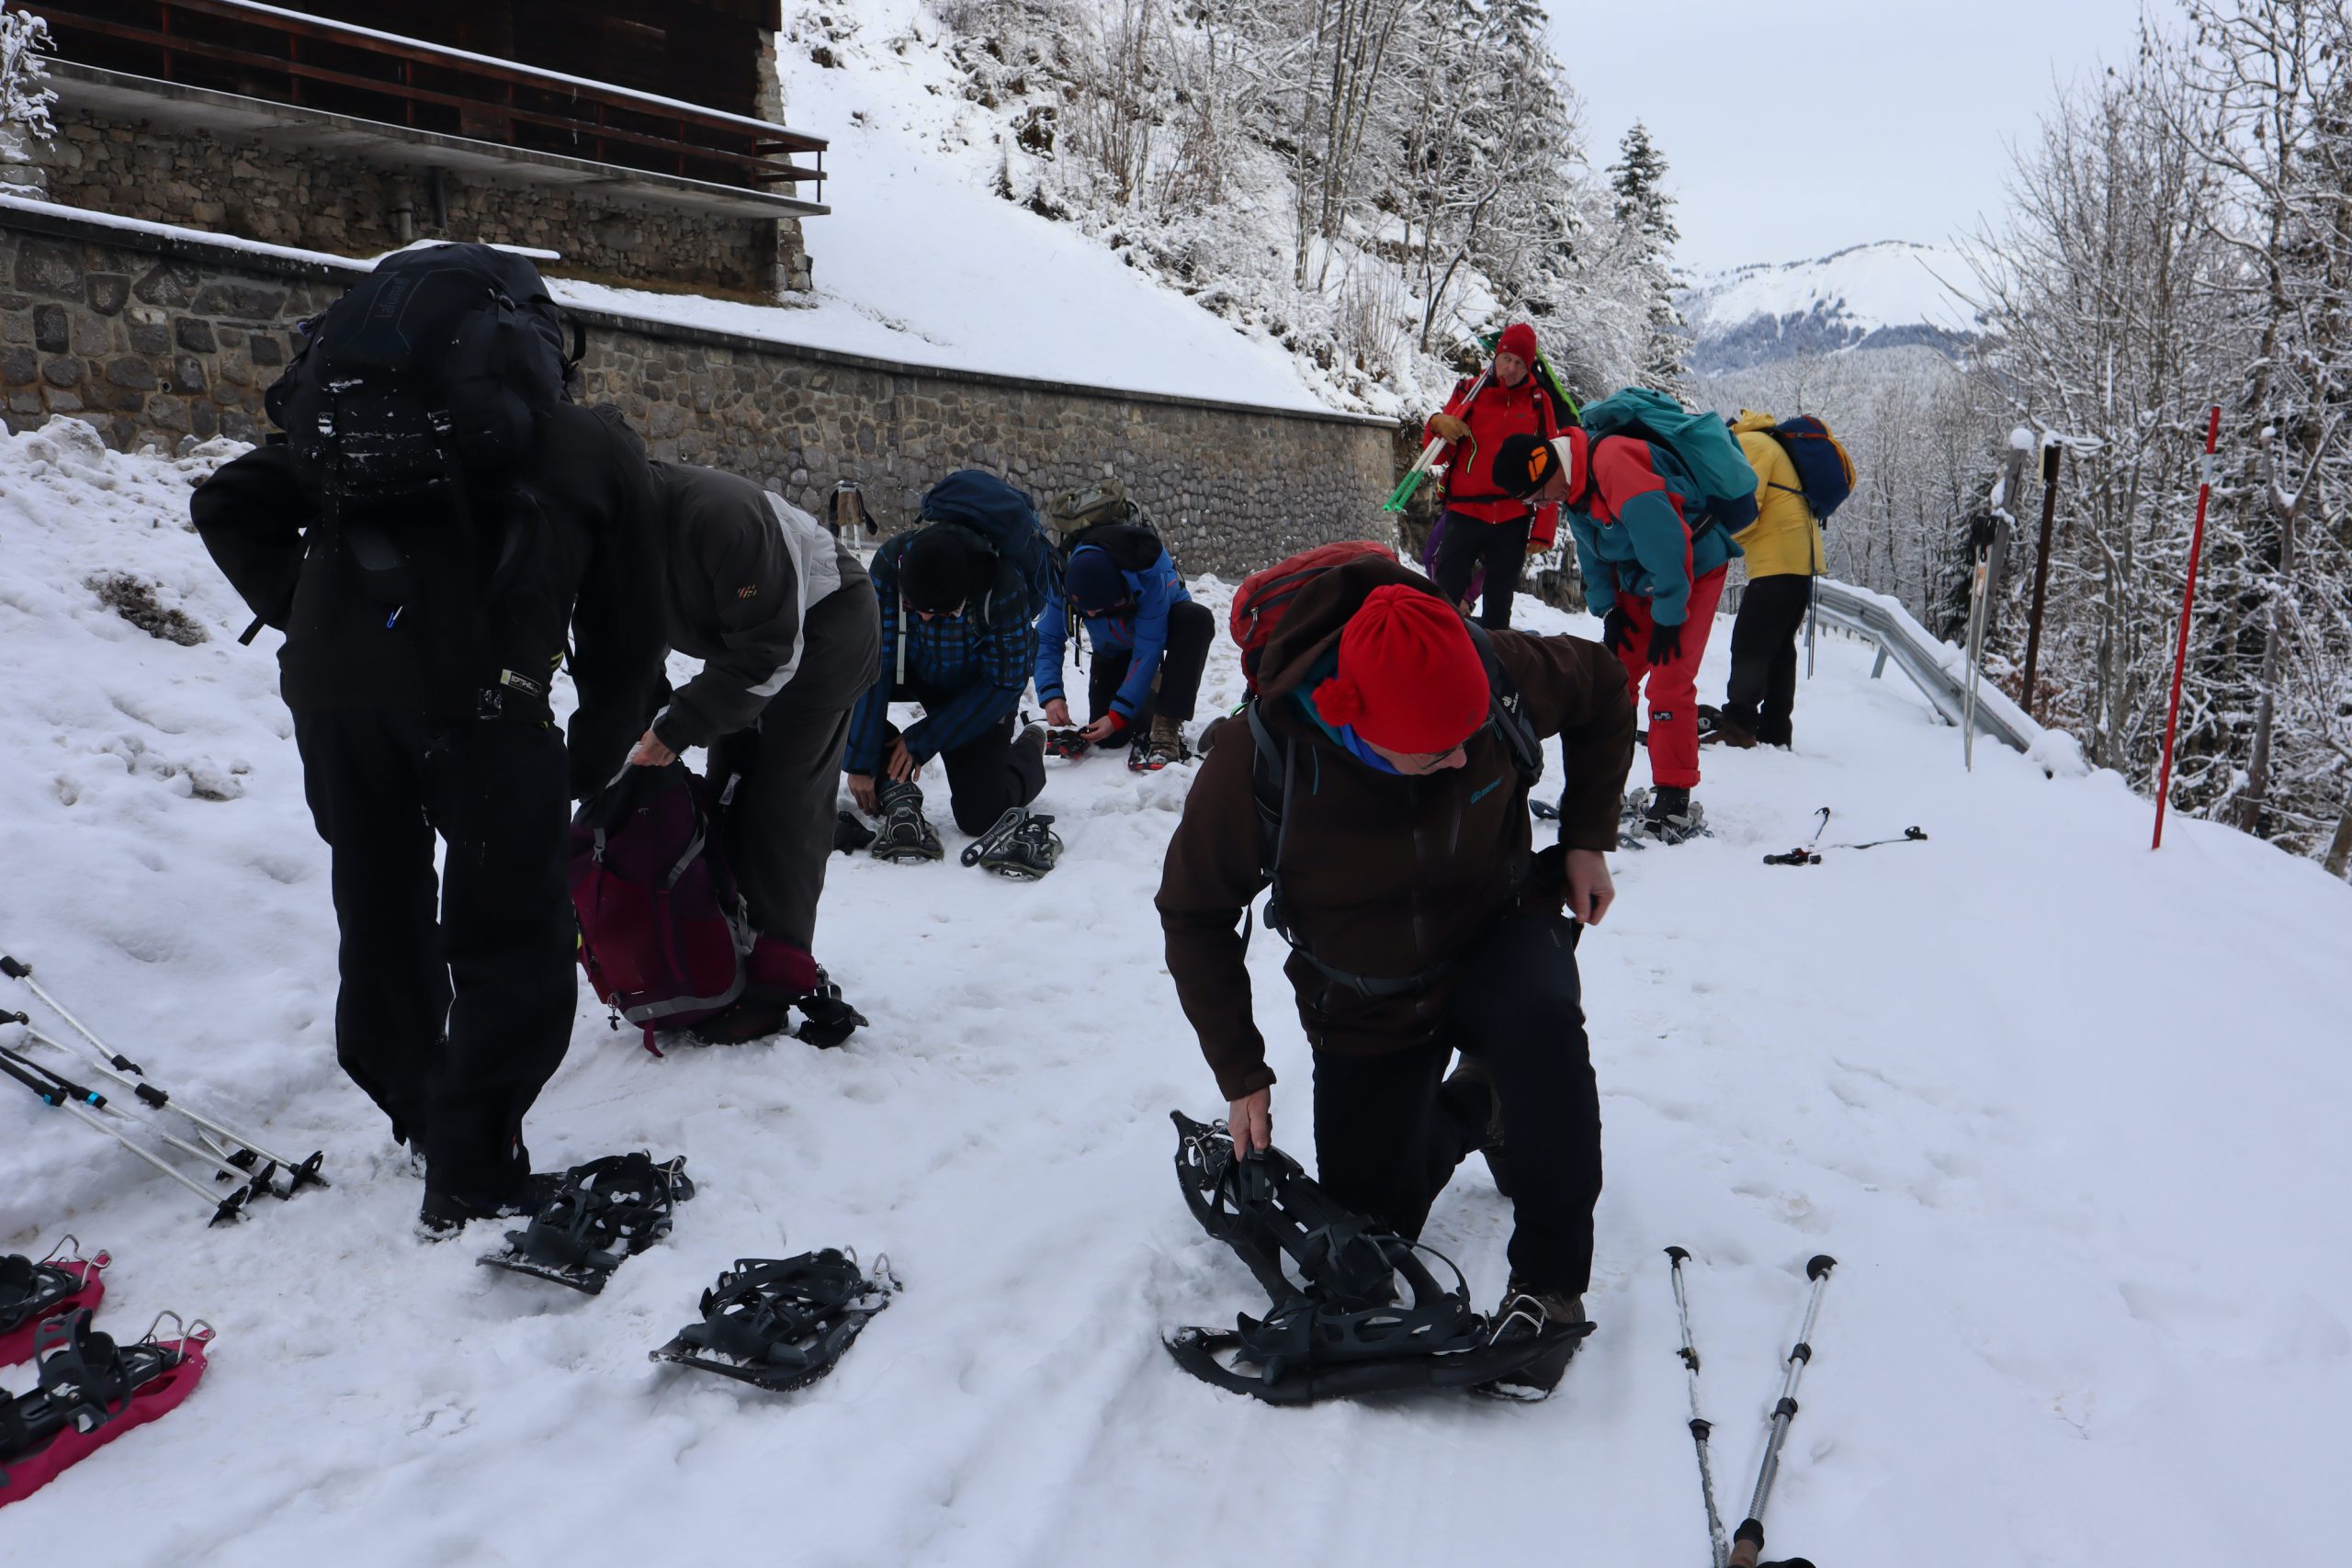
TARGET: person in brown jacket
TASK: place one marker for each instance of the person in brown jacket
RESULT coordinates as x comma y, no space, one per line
1420,922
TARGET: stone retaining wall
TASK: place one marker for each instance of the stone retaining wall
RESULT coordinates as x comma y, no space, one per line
329,201
154,338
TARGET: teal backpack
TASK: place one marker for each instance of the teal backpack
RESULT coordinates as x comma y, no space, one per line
1701,444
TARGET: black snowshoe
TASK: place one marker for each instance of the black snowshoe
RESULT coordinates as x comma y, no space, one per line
1068,744
604,1212
35,1294
1661,816
905,838
782,1325
850,834
827,1019
1341,1327
1022,845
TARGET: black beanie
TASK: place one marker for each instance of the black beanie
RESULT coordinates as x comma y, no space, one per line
945,566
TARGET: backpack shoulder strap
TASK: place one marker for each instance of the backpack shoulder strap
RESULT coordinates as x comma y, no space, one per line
1505,709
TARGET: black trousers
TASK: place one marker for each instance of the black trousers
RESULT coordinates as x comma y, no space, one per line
987,775
1468,544
777,824
1176,692
452,1018
1388,1133
1762,692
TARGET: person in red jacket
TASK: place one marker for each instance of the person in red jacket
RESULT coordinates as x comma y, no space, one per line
1484,526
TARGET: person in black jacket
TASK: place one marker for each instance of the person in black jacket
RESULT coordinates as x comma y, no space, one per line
784,619
428,715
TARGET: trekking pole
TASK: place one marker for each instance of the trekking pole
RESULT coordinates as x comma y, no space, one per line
1700,1425
300,1173
62,1095
2188,598
242,1176
1748,1540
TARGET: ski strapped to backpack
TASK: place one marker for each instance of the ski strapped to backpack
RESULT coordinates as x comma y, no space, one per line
1343,1330
92,1391
782,1323
1700,445
32,1294
1273,780
605,1212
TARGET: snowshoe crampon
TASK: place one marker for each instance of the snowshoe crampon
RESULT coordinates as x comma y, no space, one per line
782,1323
906,836
33,1294
1020,845
1342,1328
604,1212
92,1391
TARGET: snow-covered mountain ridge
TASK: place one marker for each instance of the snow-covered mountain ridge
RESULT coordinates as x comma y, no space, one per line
1889,294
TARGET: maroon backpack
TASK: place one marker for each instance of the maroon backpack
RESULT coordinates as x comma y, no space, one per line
1260,603
662,930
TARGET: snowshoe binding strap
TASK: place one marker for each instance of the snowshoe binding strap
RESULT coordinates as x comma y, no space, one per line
1020,845
782,1323
1342,1328
906,837
34,1292
91,1389
606,1212
1067,744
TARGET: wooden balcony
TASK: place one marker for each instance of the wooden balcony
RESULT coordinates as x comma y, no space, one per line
227,62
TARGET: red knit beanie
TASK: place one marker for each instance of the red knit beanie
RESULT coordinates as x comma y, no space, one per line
1518,338
1409,678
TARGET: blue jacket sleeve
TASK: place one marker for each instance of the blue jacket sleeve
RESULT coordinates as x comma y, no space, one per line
1654,524
1053,634
871,717
1156,591
1008,652
1599,577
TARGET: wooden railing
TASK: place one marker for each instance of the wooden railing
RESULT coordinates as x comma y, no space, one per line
262,51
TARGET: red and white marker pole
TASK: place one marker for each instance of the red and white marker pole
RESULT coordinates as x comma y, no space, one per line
2187,599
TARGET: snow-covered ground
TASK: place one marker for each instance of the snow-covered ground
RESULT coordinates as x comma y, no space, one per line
2070,1113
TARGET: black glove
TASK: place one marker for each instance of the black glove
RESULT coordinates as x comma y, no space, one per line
1616,629
1666,642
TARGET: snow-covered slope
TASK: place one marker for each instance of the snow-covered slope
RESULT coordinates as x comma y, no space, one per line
2069,1112
1877,296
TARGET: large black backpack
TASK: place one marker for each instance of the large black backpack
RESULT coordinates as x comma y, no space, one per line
441,366
1004,518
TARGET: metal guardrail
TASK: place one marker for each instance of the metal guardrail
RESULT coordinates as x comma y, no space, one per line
1937,668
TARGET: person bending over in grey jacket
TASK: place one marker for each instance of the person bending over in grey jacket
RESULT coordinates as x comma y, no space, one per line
784,621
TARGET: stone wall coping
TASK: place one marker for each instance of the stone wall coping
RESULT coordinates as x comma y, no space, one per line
75,223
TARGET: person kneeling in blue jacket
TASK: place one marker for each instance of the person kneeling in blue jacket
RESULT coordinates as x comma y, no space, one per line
1151,644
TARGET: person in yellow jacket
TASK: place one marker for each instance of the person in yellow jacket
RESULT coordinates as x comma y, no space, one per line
1784,555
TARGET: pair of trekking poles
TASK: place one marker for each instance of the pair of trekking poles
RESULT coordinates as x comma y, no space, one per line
1747,1543
240,1166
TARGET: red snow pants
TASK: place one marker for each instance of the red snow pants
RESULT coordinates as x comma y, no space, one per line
1674,685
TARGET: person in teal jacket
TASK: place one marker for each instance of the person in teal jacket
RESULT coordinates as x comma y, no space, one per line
1650,577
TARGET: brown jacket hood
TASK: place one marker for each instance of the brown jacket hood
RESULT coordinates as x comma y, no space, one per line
1381,876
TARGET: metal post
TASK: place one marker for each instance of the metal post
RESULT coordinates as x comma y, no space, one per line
2188,598
2051,455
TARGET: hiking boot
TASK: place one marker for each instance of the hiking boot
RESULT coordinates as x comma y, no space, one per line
905,838
1163,745
1477,1077
828,1019
753,1017
445,1212
1034,739
1671,815
1732,733
1020,845
1527,1313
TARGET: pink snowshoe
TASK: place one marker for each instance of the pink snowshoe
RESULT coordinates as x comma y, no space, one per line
92,1391
34,1294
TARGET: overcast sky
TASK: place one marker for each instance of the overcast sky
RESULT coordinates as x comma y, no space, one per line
1792,130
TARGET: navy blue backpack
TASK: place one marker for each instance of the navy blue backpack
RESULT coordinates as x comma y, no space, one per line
1006,519
1825,473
